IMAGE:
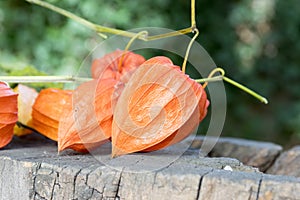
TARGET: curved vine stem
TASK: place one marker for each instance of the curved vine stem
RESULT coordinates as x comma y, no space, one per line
183,68
145,33
143,36
221,77
212,73
98,28
103,29
170,34
245,89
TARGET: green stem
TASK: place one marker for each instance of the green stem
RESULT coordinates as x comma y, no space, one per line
103,29
42,79
170,34
210,78
213,79
193,15
245,89
183,68
145,33
98,28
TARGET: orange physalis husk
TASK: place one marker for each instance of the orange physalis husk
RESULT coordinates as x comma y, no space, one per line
190,125
94,100
107,94
8,113
88,123
48,109
159,106
108,66
26,99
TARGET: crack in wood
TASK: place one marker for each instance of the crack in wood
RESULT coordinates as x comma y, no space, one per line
54,184
74,183
259,186
34,175
117,196
200,183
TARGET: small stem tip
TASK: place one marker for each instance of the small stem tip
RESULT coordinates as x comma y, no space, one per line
245,89
210,78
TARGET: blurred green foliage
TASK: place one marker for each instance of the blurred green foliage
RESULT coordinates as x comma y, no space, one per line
257,42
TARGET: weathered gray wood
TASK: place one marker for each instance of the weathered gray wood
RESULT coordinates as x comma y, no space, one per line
230,185
36,171
279,187
252,153
288,163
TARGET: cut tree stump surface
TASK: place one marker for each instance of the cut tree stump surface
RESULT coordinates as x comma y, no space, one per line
32,169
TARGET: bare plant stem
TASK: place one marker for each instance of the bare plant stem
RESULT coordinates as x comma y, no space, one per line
193,15
103,29
183,68
245,89
207,80
232,82
42,79
98,28
145,33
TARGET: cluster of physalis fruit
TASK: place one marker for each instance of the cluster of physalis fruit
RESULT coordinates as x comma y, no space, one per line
139,105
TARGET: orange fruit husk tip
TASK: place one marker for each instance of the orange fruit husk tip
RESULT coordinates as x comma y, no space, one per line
26,99
48,109
158,107
87,123
118,65
8,113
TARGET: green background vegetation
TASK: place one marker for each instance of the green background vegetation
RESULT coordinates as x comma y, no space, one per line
257,42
